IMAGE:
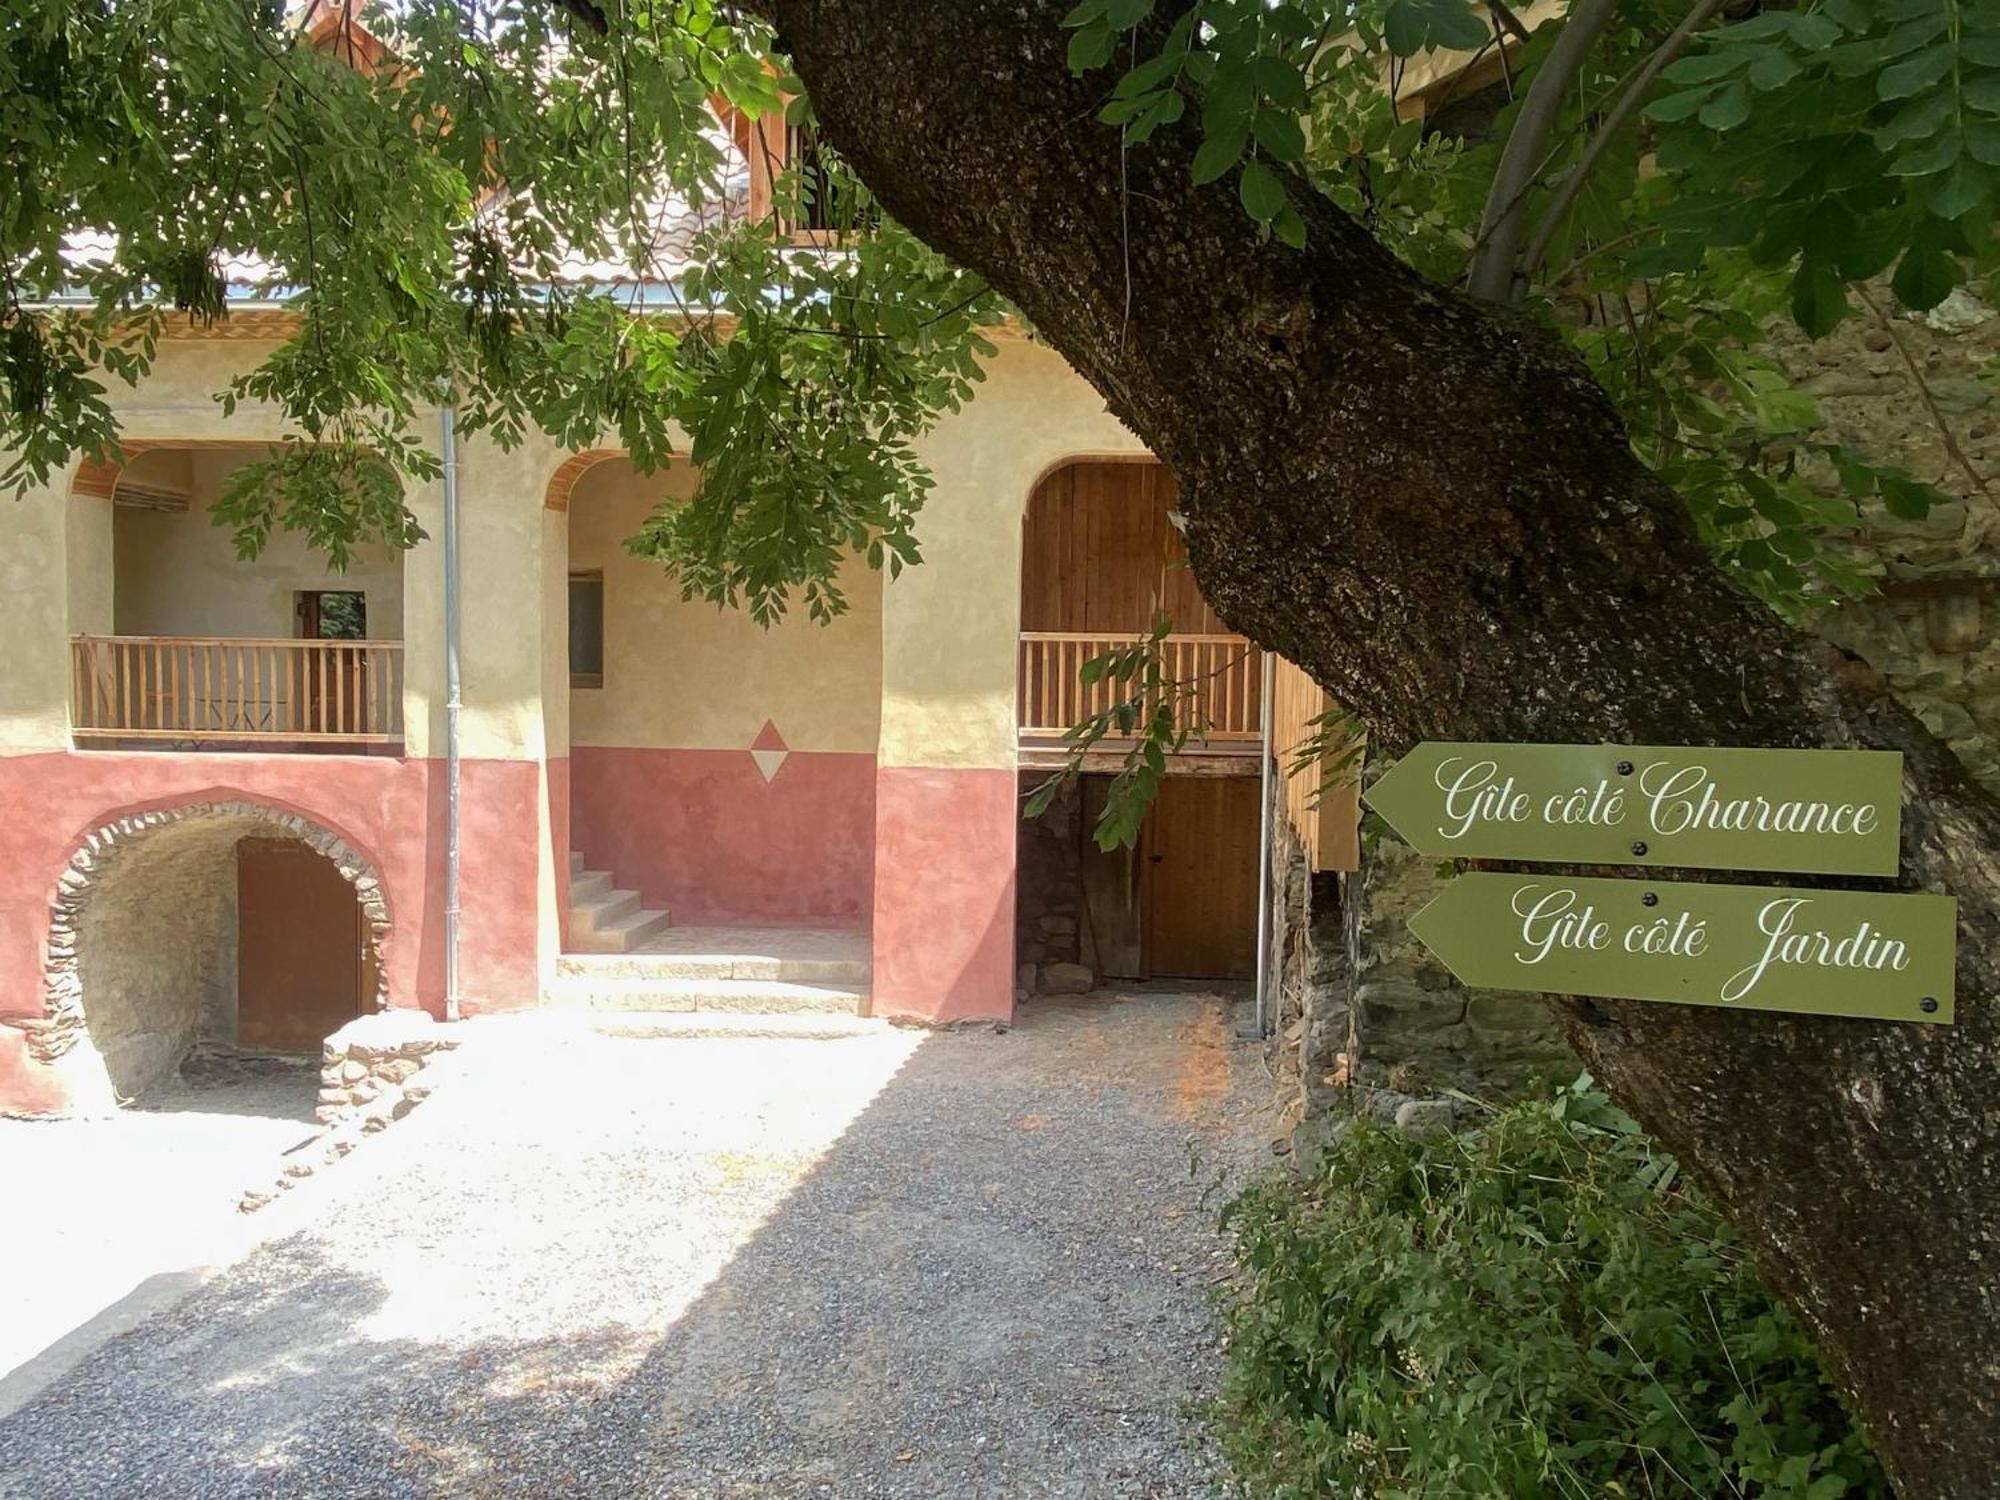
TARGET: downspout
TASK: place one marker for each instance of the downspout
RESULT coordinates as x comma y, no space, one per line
1264,851
448,440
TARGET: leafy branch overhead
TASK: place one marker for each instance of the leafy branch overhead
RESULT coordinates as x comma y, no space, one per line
475,199
491,201
1661,187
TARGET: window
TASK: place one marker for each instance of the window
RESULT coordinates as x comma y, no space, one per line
332,615
586,630
819,207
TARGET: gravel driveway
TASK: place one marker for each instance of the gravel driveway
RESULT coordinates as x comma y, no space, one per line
110,1219
908,1264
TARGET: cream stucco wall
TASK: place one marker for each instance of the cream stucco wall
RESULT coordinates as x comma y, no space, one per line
92,609
177,572
950,627
922,667
34,609
683,674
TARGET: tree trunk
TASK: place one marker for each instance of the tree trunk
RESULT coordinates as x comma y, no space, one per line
1428,504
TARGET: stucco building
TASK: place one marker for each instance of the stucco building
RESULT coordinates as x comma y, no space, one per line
228,807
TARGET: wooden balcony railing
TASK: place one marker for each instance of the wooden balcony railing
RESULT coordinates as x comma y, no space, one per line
211,689
1225,673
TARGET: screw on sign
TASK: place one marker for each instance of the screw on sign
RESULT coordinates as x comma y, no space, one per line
1818,952
1830,812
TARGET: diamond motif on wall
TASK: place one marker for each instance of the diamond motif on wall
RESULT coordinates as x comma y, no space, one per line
769,751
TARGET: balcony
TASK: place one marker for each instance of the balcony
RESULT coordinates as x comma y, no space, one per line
219,692
1224,673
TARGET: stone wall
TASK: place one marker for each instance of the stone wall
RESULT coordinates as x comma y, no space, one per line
373,1072
1048,888
1908,390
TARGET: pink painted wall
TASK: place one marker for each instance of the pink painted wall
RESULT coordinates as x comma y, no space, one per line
559,837
391,811
701,833
944,893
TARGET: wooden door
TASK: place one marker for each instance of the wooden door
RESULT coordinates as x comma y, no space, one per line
333,684
300,947
1200,850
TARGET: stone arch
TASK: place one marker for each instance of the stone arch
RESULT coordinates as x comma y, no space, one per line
106,872
562,483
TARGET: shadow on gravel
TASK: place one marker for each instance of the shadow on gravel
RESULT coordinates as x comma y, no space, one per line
995,1283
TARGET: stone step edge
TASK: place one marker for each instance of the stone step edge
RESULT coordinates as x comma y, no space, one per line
763,968
761,1025
721,996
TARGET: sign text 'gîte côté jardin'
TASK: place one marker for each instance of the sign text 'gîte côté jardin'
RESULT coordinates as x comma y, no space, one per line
1884,955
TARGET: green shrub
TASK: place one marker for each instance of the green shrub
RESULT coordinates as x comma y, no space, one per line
1540,1308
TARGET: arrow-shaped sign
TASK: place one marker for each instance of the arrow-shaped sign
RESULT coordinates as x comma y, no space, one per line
1829,953
1835,812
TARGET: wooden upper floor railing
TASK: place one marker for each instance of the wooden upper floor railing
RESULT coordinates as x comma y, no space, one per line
195,690
1223,672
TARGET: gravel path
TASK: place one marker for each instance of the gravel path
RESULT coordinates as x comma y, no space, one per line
912,1264
119,1216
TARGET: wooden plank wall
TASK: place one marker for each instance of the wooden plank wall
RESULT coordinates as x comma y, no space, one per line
1099,553
1329,828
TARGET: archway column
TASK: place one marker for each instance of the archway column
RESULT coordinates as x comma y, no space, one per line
508,745
947,780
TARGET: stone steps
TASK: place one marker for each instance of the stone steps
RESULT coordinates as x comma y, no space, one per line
675,954
768,997
672,1025
603,918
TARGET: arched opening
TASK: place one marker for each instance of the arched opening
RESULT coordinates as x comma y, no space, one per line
721,773
227,922
178,643
1102,562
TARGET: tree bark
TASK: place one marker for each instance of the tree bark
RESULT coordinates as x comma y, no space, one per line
1428,504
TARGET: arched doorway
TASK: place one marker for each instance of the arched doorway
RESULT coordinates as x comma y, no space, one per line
230,921
1101,563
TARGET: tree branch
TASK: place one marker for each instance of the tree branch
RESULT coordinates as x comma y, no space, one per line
1491,275
1614,120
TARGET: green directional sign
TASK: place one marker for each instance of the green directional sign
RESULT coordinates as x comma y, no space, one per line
1834,812
1829,953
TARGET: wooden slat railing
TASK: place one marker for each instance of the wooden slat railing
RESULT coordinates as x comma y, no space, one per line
1224,671
208,689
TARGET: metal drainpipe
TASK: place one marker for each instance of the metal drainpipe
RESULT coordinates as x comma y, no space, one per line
448,438
1264,851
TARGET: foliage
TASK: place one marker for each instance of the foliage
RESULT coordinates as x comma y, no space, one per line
1541,1308
424,208
1780,169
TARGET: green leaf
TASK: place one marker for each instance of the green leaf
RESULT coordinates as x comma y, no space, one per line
1925,277
1907,498
1405,27
1263,195
1090,47
1917,74
1125,14
1279,80
1280,135
1671,107
1217,155
1728,109
1964,189
1819,297
1703,67
1290,228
